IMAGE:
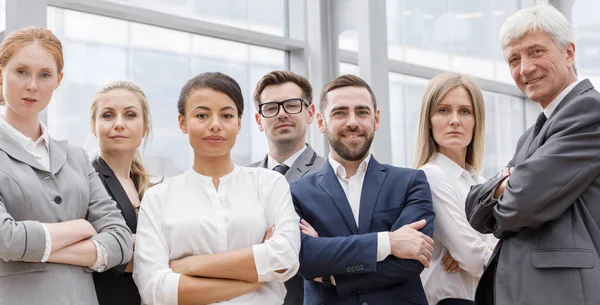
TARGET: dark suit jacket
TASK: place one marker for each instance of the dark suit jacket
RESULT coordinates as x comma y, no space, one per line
548,218
114,286
391,197
307,162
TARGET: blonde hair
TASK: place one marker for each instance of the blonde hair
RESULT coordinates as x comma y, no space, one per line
141,176
22,38
435,92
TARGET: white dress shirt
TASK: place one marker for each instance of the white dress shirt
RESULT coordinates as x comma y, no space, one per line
186,216
352,187
271,162
40,150
556,101
450,185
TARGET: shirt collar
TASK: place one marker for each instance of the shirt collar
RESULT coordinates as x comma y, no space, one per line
556,101
340,171
23,140
271,162
451,167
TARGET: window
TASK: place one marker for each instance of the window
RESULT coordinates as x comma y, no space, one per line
587,40
456,35
265,16
160,61
2,15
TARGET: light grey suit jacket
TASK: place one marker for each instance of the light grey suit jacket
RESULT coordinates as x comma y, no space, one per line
306,163
548,218
31,195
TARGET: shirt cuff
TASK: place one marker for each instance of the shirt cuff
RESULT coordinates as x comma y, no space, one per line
48,248
384,249
101,258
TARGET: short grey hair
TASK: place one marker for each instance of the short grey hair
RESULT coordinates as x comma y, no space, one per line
544,18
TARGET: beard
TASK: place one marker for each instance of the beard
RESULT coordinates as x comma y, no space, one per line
347,153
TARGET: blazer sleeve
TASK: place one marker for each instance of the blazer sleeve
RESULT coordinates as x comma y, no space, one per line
280,252
157,283
19,240
324,256
394,270
545,185
105,217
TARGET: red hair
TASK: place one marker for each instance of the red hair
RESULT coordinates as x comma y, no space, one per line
16,41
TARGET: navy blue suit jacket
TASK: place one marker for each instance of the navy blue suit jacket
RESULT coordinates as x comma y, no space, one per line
391,197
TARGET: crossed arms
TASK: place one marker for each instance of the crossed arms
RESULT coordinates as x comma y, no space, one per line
323,257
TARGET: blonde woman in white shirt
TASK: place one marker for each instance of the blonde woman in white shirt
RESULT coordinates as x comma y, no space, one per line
219,232
450,152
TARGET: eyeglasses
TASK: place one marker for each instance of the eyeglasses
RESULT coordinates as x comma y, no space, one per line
291,106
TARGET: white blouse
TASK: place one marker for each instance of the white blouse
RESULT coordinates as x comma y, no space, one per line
450,185
186,216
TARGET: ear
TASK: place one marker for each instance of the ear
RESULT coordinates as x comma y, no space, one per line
571,54
321,123
377,118
239,124
311,113
258,120
60,77
182,126
94,130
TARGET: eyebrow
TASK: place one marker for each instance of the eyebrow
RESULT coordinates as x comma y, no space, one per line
126,108
208,109
444,104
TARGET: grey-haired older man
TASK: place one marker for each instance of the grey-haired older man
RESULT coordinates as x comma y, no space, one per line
545,206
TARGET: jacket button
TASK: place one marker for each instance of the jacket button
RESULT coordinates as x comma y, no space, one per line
57,200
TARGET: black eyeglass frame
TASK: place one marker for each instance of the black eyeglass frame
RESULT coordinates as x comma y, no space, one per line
281,105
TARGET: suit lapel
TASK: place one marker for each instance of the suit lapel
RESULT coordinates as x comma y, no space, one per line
302,165
17,152
374,177
330,184
117,192
583,86
58,155
264,162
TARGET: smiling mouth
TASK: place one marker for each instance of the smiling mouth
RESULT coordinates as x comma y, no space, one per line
533,81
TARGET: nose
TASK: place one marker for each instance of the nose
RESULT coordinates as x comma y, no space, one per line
352,122
527,67
119,122
215,123
32,85
282,114
454,120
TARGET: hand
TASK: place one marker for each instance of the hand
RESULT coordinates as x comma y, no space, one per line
307,229
505,172
450,265
320,280
269,234
408,243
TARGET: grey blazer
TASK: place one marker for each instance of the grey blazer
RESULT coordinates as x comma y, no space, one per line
307,162
31,195
548,219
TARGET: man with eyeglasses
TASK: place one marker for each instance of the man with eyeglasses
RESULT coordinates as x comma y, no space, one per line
283,101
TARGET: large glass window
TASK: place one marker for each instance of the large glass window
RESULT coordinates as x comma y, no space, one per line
587,39
265,16
456,35
99,50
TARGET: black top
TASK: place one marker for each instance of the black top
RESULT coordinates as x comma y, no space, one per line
115,286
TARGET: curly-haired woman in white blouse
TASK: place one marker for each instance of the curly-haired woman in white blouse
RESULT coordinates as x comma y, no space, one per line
219,232
450,151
